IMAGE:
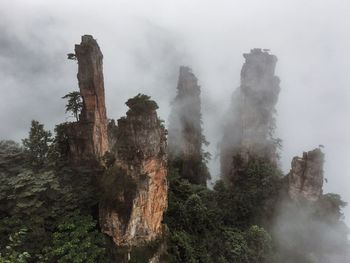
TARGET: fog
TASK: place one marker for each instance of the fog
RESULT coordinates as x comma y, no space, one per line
144,43
303,237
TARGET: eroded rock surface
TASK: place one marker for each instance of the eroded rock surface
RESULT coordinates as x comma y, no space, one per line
305,178
250,123
135,187
88,138
185,131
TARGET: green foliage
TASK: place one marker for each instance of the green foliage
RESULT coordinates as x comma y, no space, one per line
260,244
12,252
28,192
76,240
255,194
329,207
37,145
235,247
199,219
143,252
196,214
226,224
38,199
9,147
74,104
46,194
194,169
71,56
141,104
12,158
59,147
181,247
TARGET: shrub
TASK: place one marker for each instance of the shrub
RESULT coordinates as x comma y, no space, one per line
76,240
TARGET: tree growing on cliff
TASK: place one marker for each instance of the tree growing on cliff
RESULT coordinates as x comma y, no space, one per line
141,103
74,104
37,145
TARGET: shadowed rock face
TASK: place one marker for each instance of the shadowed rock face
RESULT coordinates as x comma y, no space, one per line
250,122
185,131
135,188
305,179
88,137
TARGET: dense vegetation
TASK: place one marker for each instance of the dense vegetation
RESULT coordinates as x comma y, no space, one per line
48,213
48,208
254,221
222,225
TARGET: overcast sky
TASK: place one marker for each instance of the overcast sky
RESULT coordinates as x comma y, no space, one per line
144,43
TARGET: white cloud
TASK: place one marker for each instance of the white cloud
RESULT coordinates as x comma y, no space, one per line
144,42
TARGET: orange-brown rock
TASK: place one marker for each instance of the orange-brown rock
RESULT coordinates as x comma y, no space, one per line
135,187
88,138
305,179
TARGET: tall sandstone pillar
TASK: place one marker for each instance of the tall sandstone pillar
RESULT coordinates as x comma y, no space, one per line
135,187
88,137
185,130
250,122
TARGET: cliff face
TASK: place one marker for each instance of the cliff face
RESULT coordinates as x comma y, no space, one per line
305,179
135,188
250,123
185,131
88,138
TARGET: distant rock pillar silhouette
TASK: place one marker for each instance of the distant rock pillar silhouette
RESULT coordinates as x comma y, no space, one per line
185,131
250,123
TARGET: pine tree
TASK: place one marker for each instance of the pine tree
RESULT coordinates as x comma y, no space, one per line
74,104
37,145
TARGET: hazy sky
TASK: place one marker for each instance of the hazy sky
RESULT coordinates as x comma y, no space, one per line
144,43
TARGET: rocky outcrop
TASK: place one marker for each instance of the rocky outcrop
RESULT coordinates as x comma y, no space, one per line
250,123
88,137
185,131
305,179
135,187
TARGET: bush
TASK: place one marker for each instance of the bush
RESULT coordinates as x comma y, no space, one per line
141,104
13,252
76,240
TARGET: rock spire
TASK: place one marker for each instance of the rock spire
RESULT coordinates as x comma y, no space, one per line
88,137
185,130
250,123
135,187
